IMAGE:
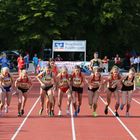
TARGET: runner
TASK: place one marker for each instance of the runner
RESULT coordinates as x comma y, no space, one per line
54,70
53,66
128,86
23,85
47,81
94,82
77,88
95,62
63,81
113,83
6,85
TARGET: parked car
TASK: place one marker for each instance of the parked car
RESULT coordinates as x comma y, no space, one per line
11,54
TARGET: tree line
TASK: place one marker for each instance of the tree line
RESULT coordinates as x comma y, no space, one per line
108,26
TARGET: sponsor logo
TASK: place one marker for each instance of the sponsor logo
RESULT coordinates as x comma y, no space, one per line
59,45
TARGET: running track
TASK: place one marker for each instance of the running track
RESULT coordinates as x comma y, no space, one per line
84,127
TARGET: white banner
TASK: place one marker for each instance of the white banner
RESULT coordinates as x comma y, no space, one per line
69,46
69,64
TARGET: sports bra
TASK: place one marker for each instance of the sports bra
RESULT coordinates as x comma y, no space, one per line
23,84
6,81
47,78
127,82
95,82
77,79
95,63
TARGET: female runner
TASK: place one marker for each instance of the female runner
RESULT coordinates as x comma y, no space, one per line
23,85
47,81
6,84
94,82
63,82
54,70
113,83
77,88
128,85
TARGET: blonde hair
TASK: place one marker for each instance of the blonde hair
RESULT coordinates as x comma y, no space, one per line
132,70
64,68
22,72
5,69
114,68
96,69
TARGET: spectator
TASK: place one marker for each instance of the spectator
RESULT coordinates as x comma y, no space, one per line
132,61
117,60
26,59
105,63
138,66
4,61
21,63
40,66
58,58
35,62
136,63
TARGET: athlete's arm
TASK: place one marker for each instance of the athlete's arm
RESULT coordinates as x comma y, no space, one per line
39,76
17,82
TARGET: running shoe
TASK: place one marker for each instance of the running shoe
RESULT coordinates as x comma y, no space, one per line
52,113
40,111
59,113
67,112
127,114
78,110
121,107
19,114
75,114
6,109
22,111
106,110
49,113
117,114
95,114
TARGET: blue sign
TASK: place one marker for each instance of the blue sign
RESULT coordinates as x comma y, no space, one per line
59,45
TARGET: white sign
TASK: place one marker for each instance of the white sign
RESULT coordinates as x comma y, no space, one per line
69,64
69,46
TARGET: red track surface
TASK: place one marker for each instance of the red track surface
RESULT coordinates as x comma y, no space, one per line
85,127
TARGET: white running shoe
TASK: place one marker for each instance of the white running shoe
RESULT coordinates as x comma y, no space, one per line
68,112
6,109
59,113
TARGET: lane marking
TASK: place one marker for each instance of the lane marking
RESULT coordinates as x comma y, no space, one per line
72,123
25,119
120,121
136,101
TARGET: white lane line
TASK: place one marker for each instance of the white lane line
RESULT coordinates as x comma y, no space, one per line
136,101
25,119
124,126
72,124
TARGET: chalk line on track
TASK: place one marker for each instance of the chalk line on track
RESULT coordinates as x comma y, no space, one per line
124,126
25,119
136,101
72,124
